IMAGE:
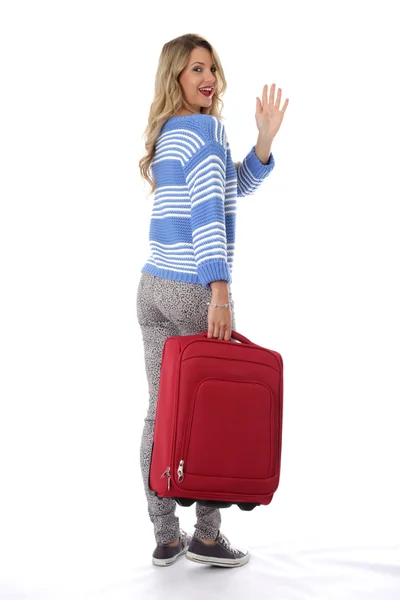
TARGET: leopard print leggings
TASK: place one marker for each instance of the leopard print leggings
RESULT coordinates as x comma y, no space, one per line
164,308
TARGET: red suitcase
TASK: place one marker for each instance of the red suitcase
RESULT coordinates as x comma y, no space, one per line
218,423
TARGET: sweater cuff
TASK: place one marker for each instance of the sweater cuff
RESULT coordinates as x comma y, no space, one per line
256,167
213,270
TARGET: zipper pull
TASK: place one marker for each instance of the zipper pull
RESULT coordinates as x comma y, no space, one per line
167,473
180,472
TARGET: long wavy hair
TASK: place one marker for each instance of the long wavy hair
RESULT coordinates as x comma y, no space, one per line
168,96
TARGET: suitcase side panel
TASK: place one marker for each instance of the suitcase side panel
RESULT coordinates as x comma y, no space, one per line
160,468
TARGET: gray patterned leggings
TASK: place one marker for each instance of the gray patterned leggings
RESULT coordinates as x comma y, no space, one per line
165,308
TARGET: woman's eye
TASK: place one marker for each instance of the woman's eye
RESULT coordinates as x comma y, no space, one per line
213,69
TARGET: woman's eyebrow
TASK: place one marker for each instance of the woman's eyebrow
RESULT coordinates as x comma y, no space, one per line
200,63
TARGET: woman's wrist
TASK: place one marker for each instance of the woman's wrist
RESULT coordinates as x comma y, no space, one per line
220,292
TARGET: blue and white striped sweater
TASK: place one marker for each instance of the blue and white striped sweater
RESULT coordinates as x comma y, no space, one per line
193,220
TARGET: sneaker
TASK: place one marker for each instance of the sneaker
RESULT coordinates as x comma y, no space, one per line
221,554
164,555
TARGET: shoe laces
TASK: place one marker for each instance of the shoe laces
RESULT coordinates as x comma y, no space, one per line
225,542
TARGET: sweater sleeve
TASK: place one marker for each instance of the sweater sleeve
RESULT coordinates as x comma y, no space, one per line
205,175
251,172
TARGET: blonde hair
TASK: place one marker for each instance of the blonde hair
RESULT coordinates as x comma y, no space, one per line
168,97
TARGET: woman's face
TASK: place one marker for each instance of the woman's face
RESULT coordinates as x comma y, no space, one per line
199,73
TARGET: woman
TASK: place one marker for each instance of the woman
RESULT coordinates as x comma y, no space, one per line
185,286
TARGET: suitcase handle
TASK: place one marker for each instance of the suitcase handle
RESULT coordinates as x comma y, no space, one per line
235,335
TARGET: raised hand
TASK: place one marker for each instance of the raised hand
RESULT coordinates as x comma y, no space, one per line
268,115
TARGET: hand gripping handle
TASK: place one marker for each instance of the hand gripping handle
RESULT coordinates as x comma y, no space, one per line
234,334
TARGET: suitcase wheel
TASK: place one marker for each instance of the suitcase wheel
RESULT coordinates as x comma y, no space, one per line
247,505
184,501
215,503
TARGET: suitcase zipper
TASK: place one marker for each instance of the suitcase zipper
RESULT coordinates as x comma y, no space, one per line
167,473
185,443
181,475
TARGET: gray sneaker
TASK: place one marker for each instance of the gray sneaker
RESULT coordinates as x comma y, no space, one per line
221,554
164,555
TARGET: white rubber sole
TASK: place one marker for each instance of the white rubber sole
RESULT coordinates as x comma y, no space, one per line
218,562
167,562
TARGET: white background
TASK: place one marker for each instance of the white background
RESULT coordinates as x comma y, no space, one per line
315,277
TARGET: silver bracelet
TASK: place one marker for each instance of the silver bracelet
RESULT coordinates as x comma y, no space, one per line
221,305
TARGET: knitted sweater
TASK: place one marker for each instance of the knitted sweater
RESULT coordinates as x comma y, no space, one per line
193,220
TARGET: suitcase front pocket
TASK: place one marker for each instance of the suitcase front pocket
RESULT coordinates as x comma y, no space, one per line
229,431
